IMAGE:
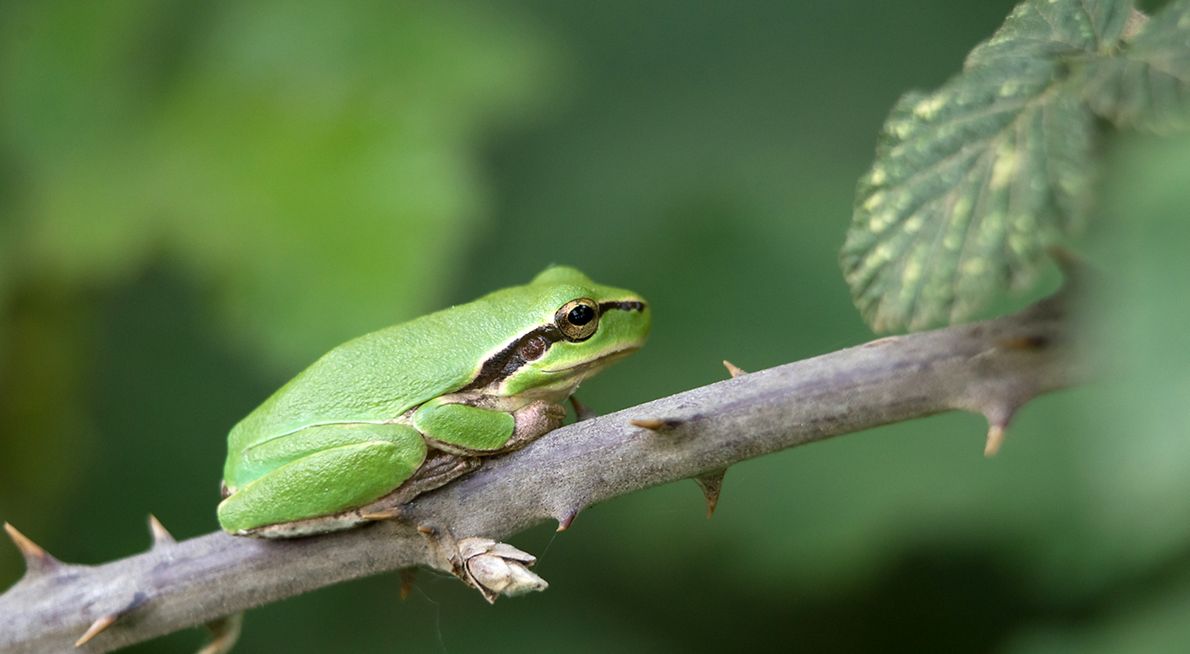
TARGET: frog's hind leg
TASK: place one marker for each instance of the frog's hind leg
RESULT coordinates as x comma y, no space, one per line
320,490
439,469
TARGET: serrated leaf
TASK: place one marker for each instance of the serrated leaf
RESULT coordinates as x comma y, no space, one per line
1050,29
1147,86
973,181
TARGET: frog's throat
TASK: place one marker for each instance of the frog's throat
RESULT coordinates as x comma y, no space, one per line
592,365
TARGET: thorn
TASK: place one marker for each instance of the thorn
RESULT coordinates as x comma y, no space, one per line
996,436
582,411
224,633
105,621
733,369
566,520
711,484
881,341
998,419
655,424
96,627
161,535
37,560
383,514
408,578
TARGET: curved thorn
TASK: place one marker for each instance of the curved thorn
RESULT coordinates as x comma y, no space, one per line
733,369
224,634
384,514
408,578
161,535
581,411
107,620
995,440
998,416
881,342
37,560
566,520
711,485
96,628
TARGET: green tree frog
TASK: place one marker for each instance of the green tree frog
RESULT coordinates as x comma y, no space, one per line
395,413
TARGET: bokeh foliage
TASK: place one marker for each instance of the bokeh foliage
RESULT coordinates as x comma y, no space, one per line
198,198
287,156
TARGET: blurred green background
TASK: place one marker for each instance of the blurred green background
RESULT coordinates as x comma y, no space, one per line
197,199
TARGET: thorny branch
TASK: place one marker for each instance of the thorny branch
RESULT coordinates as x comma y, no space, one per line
992,368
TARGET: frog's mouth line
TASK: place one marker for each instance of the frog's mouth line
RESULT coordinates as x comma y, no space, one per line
599,361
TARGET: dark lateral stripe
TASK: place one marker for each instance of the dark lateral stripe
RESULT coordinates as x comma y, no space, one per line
509,359
506,361
625,305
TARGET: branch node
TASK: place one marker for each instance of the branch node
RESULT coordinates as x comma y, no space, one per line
711,485
733,369
38,562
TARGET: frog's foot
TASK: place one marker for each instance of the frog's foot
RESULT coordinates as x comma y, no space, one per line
492,568
439,469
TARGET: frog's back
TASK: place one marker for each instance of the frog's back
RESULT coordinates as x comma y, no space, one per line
379,376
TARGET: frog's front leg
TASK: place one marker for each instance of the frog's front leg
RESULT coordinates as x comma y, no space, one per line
467,429
490,567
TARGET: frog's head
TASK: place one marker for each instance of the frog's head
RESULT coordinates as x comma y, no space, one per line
579,328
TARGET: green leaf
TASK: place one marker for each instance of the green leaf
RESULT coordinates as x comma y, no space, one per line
973,181
1148,85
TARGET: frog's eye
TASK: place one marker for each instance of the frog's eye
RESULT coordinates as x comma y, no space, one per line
577,319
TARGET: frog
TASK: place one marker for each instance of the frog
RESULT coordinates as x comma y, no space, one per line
399,412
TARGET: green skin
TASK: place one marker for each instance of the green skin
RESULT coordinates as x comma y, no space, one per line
400,411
